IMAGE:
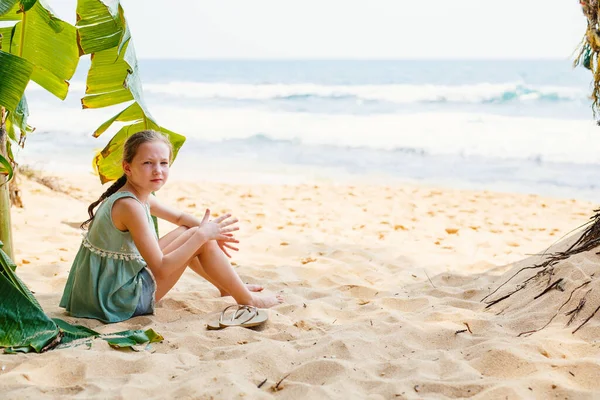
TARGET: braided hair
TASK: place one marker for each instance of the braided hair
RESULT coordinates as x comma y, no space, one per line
129,151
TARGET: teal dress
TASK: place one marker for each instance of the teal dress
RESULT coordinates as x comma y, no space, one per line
108,278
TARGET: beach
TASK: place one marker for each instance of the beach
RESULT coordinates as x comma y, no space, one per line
383,286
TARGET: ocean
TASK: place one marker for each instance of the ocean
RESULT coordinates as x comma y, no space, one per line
519,126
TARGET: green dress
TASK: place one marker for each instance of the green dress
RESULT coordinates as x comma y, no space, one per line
105,281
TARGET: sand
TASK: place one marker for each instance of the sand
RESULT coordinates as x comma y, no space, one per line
383,288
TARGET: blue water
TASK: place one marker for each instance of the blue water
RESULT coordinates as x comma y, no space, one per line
502,125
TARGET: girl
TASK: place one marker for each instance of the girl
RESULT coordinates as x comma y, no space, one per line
122,267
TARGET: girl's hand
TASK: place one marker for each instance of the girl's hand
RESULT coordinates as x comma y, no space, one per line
223,245
219,228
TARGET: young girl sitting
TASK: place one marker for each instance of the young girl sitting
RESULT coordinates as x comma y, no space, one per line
122,267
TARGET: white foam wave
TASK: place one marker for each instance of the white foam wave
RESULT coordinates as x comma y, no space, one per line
468,134
395,93
436,133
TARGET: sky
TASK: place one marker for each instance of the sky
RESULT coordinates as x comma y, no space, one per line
350,29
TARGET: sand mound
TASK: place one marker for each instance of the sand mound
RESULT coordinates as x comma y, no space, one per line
535,293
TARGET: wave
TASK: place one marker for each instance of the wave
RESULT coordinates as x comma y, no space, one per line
440,133
482,93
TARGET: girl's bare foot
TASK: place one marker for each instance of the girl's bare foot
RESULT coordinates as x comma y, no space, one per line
266,301
249,286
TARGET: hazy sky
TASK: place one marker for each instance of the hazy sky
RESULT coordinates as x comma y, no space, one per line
350,28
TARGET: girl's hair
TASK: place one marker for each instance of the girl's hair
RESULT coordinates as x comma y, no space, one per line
129,151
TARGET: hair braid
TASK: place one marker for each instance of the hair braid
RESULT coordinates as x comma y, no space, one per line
119,183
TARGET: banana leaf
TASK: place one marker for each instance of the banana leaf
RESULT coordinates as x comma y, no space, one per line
113,77
18,71
50,44
24,322
18,120
103,32
6,35
131,338
106,80
99,25
5,169
132,113
24,326
9,9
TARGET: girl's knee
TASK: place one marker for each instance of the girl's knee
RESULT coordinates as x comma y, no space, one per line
211,245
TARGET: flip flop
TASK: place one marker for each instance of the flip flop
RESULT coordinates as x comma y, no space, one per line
244,316
255,317
240,314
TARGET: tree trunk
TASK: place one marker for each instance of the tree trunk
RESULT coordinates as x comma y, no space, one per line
5,223
14,192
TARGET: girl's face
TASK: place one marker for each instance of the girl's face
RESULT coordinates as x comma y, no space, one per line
149,168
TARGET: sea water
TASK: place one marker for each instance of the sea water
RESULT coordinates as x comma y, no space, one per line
508,125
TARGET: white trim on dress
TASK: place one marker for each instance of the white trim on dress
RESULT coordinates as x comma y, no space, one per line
110,254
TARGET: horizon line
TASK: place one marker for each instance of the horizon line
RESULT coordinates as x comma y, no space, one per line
355,59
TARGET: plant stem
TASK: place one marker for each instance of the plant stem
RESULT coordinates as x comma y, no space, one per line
5,221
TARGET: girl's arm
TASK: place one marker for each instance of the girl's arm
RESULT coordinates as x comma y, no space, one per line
180,218
129,213
172,215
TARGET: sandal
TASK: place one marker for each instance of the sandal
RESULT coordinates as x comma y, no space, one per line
244,316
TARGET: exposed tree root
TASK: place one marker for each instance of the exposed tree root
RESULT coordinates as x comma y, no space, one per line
574,312
587,319
555,285
557,311
587,241
508,280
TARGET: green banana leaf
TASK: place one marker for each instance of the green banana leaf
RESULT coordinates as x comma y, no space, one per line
107,162
24,323
99,25
6,35
132,338
18,70
102,31
8,10
50,44
5,169
74,335
132,113
17,120
6,261
25,327
106,80
113,78
26,5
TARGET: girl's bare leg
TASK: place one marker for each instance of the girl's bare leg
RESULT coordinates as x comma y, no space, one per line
210,262
165,284
216,265
195,264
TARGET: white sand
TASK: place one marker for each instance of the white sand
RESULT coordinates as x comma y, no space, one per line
361,318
